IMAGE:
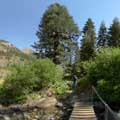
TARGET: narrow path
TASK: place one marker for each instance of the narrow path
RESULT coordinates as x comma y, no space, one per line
83,108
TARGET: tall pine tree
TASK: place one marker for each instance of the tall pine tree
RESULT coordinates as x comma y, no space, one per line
57,34
114,34
88,41
102,36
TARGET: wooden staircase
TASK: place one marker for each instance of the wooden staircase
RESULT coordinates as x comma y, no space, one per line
82,109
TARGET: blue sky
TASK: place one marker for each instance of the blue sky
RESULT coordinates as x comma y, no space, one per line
19,19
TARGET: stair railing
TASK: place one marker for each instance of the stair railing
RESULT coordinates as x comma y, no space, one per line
109,113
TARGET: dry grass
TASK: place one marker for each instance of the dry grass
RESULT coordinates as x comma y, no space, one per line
1,81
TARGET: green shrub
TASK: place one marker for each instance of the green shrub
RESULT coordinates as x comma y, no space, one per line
60,87
81,70
104,73
45,72
29,77
84,83
20,82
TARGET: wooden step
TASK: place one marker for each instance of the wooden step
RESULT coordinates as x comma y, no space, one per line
82,111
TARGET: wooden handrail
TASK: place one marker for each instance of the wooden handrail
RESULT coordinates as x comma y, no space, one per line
107,108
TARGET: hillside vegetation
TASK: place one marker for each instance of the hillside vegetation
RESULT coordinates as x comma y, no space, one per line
9,54
31,78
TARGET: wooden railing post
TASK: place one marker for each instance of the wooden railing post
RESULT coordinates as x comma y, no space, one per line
108,110
106,113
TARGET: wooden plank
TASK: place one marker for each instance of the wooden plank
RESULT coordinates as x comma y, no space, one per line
83,111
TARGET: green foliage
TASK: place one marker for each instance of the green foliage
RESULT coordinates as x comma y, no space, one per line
104,73
17,84
29,77
45,72
81,70
57,32
83,83
87,51
60,87
114,34
102,36
68,72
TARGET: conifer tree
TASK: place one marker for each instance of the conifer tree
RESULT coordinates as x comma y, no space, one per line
114,34
57,34
102,36
88,41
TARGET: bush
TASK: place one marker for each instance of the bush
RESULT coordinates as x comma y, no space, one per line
104,73
20,82
32,76
46,73
81,70
60,87
83,83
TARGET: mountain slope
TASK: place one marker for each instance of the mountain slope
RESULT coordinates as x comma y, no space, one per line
9,54
27,51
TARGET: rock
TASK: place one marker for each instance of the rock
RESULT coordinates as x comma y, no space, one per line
26,116
42,99
1,117
99,110
118,114
19,116
60,105
49,93
36,117
98,106
6,118
48,102
61,112
51,117
35,110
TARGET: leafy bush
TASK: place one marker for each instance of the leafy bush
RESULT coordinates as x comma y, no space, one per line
104,73
84,83
81,70
32,76
20,82
60,87
45,72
